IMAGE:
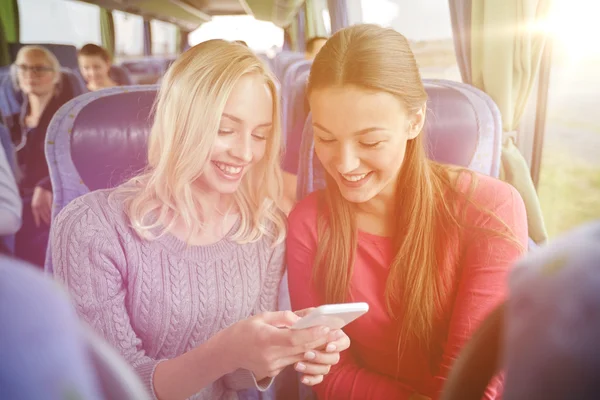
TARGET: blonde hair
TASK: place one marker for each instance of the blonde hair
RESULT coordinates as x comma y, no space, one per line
48,55
187,115
417,290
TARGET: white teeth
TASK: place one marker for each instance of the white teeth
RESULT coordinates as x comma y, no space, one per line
228,168
354,178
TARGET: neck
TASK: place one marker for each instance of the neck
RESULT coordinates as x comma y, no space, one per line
381,206
217,220
37,104
101,84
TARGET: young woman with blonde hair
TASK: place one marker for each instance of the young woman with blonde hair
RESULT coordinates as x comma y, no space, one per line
428,246
179,268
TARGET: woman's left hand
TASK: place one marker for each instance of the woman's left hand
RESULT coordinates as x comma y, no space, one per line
318,362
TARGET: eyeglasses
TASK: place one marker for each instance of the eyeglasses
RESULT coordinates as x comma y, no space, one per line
34,69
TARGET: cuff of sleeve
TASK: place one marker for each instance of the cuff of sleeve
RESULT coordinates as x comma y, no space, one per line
45,183
244,379
146,373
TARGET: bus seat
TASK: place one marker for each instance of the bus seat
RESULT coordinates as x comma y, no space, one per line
7,242
298,111
11,98
287,87
283,60
144,71
545,336
98,141
65,53
46,351
463,127
120,75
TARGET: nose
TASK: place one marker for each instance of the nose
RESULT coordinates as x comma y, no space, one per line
347,160
242,147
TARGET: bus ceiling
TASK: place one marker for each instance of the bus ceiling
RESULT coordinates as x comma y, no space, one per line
190,14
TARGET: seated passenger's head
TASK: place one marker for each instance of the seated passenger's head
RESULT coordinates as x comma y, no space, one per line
36,71
216,131
313,45
94,64
368,108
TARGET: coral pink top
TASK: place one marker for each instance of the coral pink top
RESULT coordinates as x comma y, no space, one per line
371,369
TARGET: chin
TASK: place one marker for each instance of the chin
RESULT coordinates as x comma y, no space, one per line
356,196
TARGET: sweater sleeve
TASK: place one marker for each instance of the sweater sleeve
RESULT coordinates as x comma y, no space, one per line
268,299
89,260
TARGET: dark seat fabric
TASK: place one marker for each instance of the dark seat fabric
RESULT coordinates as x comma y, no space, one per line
120,75
98,141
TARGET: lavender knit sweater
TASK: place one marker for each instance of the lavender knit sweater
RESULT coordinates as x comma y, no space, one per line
155,300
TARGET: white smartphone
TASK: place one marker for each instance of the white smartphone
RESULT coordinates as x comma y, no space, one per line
333,316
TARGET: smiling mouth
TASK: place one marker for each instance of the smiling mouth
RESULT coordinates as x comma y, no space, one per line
228,170
354,177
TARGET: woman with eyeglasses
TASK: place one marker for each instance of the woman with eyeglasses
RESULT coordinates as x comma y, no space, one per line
36,73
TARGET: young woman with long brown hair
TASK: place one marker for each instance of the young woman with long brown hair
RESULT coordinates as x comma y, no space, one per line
427,245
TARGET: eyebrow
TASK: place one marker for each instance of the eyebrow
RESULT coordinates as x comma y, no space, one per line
239,121
357,133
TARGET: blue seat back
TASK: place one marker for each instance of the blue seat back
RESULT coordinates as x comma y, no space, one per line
298,112
283,60
120,75
287,87
98,141
463,127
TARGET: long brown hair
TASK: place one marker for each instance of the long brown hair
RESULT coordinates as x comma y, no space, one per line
417,290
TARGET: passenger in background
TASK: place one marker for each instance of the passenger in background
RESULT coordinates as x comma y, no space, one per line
428,246
313,45
180,267
36,72
94,65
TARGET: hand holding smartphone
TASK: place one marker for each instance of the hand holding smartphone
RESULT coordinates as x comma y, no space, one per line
333,316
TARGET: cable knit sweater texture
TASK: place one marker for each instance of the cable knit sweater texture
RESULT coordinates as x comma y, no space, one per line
155,300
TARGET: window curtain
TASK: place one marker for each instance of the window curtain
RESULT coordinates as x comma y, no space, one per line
500,54
107,31
9,28
338,13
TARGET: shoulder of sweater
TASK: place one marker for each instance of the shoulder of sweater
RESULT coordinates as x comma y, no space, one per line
108,211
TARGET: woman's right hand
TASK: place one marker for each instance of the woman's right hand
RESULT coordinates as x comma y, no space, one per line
265,345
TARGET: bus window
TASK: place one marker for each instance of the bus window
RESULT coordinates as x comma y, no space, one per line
569,181
129,34
261,36
427,25
164,36
59,21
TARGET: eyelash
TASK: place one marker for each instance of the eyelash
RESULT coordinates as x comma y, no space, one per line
229,132
367,145
371,145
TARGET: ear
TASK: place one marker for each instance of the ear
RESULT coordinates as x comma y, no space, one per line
417,121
